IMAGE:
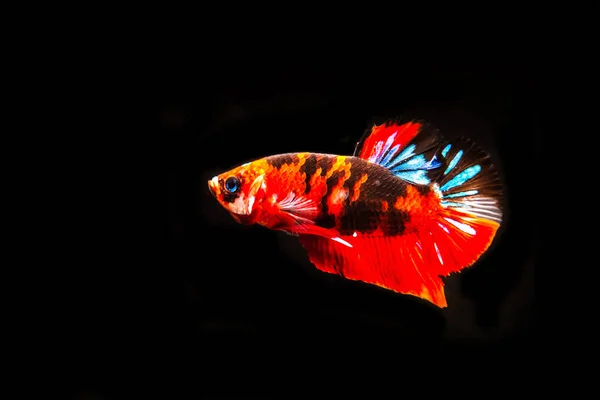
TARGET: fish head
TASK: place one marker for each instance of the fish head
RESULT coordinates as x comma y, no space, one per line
240,191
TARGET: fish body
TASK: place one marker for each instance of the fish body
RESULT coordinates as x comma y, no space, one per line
405,210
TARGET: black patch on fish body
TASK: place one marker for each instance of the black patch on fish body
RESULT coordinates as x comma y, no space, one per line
282,159
361,217
325,163
393,222
381,184
365,215
356,173
326,220
309,168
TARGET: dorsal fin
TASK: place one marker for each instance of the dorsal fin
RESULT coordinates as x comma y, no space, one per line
407,149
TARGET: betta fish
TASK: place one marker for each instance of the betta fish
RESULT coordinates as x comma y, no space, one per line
405,210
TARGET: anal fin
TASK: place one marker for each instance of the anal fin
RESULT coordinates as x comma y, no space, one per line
396,263
412,263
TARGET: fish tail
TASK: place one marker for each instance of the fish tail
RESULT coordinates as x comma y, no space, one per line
470,182
471,206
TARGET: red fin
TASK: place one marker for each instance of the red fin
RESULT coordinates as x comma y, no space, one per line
305,227
390,262
458,240
412,263
381,139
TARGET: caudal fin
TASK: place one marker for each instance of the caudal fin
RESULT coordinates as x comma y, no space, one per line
471,206
470,182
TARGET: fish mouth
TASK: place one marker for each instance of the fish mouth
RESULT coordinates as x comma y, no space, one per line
213,185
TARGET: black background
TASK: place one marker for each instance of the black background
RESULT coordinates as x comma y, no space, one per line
178,290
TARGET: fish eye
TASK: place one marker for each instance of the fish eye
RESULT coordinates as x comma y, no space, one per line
232,184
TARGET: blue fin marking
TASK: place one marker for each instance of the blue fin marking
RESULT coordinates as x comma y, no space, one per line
410,167
446,150
454,161
461,178
411,161
386,160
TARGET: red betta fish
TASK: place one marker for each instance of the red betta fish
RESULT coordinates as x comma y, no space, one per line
404,211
